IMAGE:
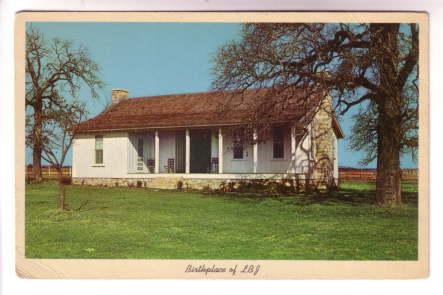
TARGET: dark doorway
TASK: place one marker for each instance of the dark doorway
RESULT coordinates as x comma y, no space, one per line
200,151
180,155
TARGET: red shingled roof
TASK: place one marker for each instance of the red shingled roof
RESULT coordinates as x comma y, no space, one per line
196,109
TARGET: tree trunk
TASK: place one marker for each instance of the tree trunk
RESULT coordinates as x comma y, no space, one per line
61,189
36,162
37,144
388,186
389,104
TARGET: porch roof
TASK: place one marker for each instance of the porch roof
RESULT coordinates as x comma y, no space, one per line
207,109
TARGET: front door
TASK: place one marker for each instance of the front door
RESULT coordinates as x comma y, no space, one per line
200,151
180,148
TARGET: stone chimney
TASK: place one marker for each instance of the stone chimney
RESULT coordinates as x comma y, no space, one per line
119,94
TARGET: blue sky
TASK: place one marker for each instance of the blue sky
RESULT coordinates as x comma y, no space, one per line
161,58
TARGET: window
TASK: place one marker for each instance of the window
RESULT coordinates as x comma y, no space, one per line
99,149
278,146
140,153
238,144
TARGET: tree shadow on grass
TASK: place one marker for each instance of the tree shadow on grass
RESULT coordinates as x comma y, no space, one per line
345,196
355,197
84,206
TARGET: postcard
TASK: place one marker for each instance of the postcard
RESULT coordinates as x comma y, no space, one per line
227,145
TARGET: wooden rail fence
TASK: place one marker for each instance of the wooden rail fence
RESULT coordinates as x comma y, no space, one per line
355,174
49,171
346,174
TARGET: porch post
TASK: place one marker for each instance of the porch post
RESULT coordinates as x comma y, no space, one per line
293,149
188,152
255,151
157,152
220,151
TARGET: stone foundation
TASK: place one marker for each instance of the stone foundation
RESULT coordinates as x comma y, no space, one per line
186,183
157,183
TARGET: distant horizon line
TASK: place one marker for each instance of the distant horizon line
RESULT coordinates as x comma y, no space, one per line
339,167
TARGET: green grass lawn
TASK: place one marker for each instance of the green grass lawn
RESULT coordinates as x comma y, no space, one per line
140,223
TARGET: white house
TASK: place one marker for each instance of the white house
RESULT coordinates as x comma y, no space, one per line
160,141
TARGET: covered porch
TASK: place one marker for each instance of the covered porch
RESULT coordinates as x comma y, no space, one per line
197,151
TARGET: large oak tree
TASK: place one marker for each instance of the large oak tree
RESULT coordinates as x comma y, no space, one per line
373,66
56,70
